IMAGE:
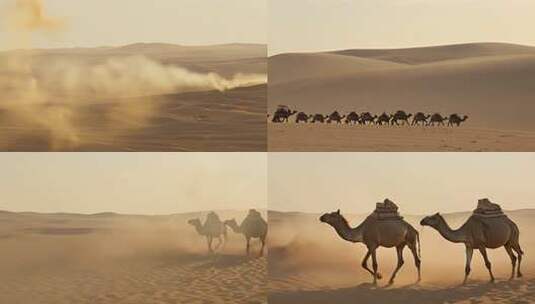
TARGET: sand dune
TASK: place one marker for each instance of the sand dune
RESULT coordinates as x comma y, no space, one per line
309,263
491,83
113,258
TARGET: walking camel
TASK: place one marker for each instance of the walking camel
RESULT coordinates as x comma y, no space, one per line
481,233
420,118
367,117
335,116
282,114
455,119
319,118
302,116
253,226
212,228
352,118
383,119
437,118
375,233
400,115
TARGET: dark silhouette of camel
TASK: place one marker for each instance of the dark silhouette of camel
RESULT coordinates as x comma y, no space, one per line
420,118
383,119
400,115
302,116
282,114
367,118
352,118
319,118
335,116
455,119
438,119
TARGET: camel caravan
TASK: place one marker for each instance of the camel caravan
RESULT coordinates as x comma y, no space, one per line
283,114
487,227
253,226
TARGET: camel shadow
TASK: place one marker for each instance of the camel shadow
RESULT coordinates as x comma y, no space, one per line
516,291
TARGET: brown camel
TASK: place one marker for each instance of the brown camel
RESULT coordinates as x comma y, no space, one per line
420,118
335,116
253,226
212,228
400,115
282,114
367,118
455,119
302,116
480,233
319,118
375,233
352,118
383,119
436,118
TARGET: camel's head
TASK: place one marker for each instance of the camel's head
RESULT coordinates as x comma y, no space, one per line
194,222
331,218
432,220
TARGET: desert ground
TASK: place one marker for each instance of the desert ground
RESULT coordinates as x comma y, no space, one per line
309,263
114,258
488,82
139,97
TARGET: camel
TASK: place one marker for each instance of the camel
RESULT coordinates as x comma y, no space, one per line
420,118
455,119
302,116
375,233
319,118
366,117
335,116
436,118
400,115
383,119
212,228
481,233
352,118
282,114
253,226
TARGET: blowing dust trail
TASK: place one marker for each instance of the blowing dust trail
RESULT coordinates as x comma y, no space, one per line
48,95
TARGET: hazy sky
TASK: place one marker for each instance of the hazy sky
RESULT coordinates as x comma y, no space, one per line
119,22
139,183
315,25
420,183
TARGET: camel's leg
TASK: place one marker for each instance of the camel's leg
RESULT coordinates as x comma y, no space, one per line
374,265
209,239
513,259
263,244
248,245
365,265
469,253
399,251
417,260
519,252
487,262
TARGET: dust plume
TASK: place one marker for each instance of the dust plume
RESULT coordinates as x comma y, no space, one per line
51,93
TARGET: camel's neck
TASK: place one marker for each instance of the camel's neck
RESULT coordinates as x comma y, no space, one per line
199,229
347,233
455,236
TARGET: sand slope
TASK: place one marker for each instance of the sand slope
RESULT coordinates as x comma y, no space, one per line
314,137
111,258
491,83
309,263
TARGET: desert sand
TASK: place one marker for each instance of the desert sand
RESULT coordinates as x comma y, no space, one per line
139,97
489,82
309,263
114,258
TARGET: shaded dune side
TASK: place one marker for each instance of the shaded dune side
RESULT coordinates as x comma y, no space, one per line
495,91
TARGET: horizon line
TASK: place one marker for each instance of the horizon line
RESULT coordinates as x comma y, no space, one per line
395,48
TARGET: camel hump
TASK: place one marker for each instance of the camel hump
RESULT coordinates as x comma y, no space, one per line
212,217
486,208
